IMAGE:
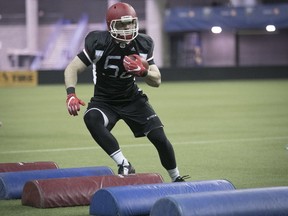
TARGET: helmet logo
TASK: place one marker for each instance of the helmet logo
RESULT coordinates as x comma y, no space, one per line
126,19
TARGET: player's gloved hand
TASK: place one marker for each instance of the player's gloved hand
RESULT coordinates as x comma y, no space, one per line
135,66
73,104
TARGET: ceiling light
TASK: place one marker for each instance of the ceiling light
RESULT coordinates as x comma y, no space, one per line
216,29
270,28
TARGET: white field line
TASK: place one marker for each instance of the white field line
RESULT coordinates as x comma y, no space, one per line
148,144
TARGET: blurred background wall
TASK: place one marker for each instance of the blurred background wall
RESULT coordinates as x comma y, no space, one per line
46,34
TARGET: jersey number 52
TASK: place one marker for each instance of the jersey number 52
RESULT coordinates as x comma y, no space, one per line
115,68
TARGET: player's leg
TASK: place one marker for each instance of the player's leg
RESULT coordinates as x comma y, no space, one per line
99,126
165,151
142,120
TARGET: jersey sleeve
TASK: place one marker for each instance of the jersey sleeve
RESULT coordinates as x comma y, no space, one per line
150,44
87,55
150,58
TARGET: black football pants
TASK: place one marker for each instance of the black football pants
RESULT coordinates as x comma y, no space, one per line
105,139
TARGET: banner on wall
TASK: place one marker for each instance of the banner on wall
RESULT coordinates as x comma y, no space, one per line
18,78
179,19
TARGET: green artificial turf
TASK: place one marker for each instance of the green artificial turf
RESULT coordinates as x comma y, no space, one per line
234,130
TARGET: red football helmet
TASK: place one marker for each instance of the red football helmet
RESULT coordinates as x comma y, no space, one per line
122,22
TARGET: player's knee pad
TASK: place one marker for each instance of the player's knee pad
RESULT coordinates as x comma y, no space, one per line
95,116
158,138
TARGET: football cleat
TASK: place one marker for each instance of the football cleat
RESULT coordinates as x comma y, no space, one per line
125,170
181,178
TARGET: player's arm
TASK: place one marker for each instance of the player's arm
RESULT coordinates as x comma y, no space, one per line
136,65
153,77
71,72
70,76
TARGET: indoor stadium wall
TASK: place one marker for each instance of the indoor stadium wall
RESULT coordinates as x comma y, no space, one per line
186,74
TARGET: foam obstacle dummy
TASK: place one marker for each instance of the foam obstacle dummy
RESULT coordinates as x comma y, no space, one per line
246,202
25,166
139,199
77,191
12,183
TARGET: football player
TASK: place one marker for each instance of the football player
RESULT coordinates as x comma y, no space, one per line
116,94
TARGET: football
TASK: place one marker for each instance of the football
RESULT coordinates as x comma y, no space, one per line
144,62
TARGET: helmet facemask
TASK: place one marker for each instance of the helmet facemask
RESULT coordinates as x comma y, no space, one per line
124,29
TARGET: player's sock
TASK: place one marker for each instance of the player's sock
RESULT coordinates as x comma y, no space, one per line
173,173
119,158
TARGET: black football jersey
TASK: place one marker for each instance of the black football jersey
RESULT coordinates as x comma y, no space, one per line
112,83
